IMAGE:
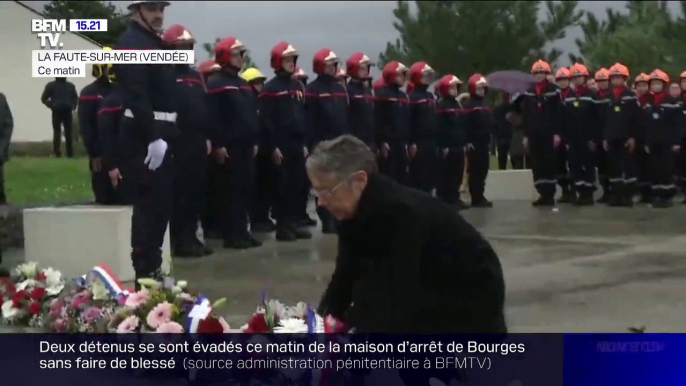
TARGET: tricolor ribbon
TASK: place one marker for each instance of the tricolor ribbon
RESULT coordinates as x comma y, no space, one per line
200,311
108,278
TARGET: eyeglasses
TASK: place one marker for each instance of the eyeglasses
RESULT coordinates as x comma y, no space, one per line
328,193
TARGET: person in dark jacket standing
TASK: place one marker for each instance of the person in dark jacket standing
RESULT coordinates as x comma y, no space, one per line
282,112
61,98
503,130
402,254
451,141
233,112
663,139
148,130
602,100
541,122
563,79
190,177
619,138
361,110
391,118
423,144
90,100
6,128
327,112
642,89
478,122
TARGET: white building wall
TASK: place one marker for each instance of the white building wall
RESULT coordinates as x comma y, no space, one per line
32,120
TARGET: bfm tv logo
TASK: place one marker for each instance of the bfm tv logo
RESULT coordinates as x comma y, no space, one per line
45,28
630,347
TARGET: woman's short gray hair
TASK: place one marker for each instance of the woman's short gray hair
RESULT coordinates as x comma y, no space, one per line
342,157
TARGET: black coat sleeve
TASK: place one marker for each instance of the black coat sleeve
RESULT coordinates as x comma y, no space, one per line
45,97
86,111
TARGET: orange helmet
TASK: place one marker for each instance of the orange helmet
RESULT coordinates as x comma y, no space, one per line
352,65
223,50
475,81
322,58
578,69
541,66
659,75
618,69
602,74
177,34
391,70
642,77
445,82
418,70
562,73
280,51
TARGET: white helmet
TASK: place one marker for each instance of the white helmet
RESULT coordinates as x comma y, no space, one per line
133,3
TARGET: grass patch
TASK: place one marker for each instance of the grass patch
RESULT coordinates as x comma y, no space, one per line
38,181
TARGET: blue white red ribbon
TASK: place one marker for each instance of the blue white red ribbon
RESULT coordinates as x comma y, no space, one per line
108,278
200,311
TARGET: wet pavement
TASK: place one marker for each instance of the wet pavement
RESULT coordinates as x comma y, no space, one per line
592,269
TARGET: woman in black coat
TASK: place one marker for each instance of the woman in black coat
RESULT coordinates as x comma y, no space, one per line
407,262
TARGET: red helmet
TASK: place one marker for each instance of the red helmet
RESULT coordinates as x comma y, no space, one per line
177,34
391,70
445,82
322,58
378,84
223,50
476,80
352,65
418,70
281,51
208,67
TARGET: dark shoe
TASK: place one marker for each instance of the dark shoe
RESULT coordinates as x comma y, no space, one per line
252,240
544,201
214,235
206,251
585,199
645,199
329,227
604,199
237,243
617,200
306,221
461,205
188,251
300,233
263,227
567,198
661,204
284,233
482,203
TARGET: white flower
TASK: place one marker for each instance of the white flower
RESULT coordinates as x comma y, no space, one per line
291,326
99,291
184,296
53,277
176,289
8,310
55,290
299,311
182,284
28,283
28,270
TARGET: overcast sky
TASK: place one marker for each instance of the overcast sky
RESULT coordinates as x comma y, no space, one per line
344,26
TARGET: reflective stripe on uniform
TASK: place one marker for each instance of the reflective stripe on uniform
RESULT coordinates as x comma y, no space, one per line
159,115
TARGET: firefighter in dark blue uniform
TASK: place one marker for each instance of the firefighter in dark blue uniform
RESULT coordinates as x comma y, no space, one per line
90,100
541,122
327,112
423,147
148,128
282,111
391,118
190,174
361,96
642,88
601,100
451,140
563,79
233,113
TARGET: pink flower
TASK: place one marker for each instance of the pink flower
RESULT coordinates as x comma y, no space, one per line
122,300
92,314
137,299
159,315
56,308
80,300
169,328
128,325
60,325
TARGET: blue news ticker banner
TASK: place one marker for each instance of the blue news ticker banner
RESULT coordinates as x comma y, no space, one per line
386,360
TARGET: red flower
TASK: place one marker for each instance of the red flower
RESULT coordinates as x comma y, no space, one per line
38,293
41,277
19,297
34,308
5,280
210,325
257,325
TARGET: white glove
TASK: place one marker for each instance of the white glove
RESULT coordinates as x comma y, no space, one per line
156,152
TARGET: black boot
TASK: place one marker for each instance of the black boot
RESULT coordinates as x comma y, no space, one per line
544,201
585,198
662,203
263,226
300,233
188,250
284,233
567,196
645,198
306,221
237,242
481,202
252,240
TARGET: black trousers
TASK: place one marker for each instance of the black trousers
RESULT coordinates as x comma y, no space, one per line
265,186
644,170
622,170
503,151
424,168
582,170
62,119
236,184
681,166
601,164
395,165
210,216
291,178
543,164
452,172
563,177
662,165
152,208
479,159
190,191
520,162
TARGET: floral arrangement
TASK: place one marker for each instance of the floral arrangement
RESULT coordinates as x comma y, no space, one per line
26,293
273,316
82,308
